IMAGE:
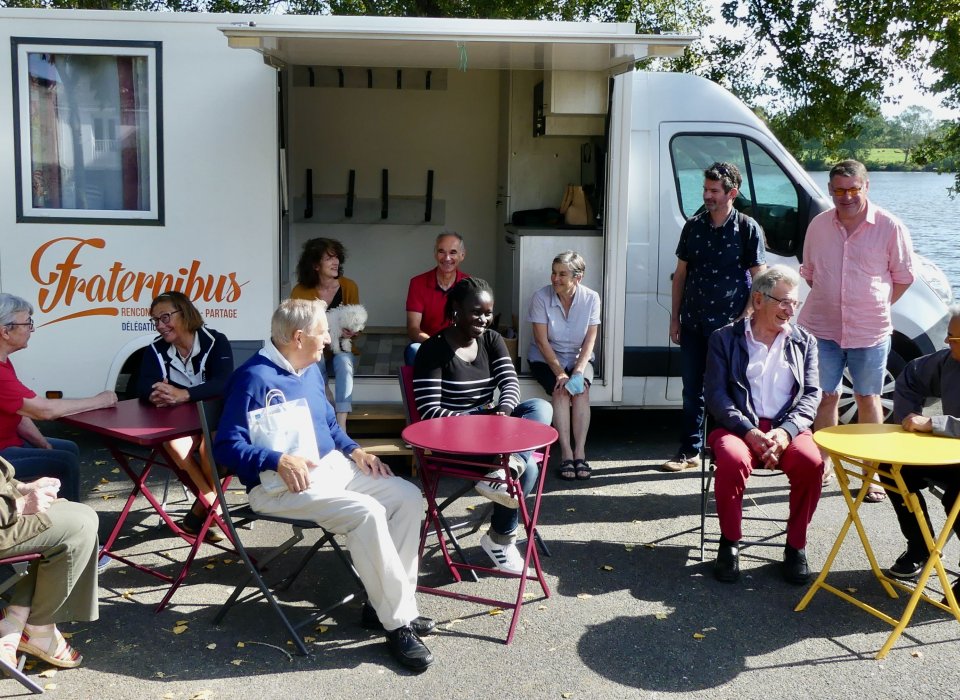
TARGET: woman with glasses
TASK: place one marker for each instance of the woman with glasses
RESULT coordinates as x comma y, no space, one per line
21,442
186,362
320,278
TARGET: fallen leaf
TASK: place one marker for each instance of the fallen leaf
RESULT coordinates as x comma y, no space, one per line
115,470
606,567
541,607
202,695
566,695
237,662
471,507
208,566
636,522
628,547
649,545
571,510
697,635
914,654
495,611
309,640
50,686
584,596
320,628
709,629
228,561
159,674
108,496
240,645
127,594
661,615
104,481
179,629
67,635
212,645
100,462
49,673
30,665
183,622
851,589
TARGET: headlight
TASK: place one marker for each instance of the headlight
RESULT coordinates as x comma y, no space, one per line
935,279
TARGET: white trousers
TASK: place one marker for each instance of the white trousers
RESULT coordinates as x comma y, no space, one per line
380,518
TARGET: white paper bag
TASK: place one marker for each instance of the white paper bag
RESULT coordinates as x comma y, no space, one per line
283,426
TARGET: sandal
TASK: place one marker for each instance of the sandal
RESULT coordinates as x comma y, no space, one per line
567,472
878,496
11,630
52,648
583,469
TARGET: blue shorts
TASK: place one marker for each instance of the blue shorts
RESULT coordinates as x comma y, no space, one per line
866,366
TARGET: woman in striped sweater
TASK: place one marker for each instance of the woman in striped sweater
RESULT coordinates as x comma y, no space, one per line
465,368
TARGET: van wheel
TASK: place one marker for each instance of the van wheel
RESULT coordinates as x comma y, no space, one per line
847,406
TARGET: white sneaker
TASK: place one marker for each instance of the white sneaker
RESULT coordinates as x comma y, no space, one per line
505,557
497,491
517,465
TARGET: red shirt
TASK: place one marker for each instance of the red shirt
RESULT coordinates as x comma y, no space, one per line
12,394
427,298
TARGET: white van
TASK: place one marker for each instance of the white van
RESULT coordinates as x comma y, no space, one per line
199,152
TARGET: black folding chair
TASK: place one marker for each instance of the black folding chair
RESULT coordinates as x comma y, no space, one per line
239,516
773,538
12,569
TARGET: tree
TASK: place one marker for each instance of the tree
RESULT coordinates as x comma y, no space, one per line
913,126
825,62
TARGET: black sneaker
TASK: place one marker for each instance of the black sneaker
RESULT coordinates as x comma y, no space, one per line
369,620
907,565
407,648
795,569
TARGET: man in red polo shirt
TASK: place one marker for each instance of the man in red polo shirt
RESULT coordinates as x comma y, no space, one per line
427,294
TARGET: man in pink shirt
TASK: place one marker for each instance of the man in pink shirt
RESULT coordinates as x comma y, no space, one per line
427,293
857,259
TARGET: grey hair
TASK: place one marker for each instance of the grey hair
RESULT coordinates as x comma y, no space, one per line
573,260
10,306
295,315
772,276
954,312
849,168
449,234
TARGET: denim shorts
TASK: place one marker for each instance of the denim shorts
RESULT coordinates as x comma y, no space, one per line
866,366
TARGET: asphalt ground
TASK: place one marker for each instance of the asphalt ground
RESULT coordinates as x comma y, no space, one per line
633,612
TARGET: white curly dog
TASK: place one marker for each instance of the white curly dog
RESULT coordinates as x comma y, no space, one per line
351,317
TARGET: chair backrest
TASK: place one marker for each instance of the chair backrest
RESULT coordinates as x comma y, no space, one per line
406,392
210,411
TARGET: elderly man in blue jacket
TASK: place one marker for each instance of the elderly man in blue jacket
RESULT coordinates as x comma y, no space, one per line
762,390
934,376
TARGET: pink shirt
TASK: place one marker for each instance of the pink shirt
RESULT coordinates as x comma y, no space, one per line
852,277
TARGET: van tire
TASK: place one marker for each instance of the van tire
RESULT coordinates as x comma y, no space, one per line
847,406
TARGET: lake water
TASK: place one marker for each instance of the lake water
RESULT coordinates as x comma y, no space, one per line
921,201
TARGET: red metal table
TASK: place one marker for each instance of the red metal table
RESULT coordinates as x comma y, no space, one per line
137,423
456,443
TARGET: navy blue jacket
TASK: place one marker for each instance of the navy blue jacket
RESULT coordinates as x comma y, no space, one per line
213,364
727,391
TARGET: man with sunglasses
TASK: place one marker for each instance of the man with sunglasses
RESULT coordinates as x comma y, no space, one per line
934,376
857,259
761,388
719,252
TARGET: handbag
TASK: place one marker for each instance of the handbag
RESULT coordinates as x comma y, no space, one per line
576,207
283,426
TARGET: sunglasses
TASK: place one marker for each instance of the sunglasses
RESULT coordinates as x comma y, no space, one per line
841,191
953,339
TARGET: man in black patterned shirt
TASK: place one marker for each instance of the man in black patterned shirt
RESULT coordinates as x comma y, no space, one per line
719,253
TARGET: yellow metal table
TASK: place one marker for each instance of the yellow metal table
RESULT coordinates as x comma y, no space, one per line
858,451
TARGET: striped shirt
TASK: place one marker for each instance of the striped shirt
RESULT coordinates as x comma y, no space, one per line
445,385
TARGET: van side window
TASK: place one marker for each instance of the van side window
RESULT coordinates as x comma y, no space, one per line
767,194
87,131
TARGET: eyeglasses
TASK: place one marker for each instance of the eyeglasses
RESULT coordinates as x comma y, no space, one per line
840,191
29,324
163,318
785,303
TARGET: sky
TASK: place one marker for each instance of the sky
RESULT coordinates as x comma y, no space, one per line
906,90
